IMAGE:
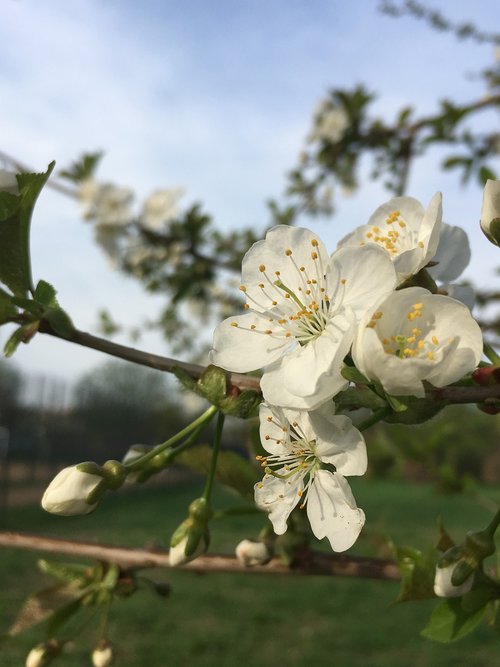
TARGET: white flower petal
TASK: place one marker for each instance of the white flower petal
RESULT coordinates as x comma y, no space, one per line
332,510
240,349
339,442
272,421
452,254
278,497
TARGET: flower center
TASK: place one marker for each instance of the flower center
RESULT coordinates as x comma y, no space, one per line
413,342
297,311
396,236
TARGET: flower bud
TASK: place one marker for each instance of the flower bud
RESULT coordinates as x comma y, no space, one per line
102,655
73,491
43,654
251,553
490,211
444,586
8,182
182,552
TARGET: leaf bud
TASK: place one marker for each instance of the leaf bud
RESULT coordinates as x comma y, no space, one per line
252,552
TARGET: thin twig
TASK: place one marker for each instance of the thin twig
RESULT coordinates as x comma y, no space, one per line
313,563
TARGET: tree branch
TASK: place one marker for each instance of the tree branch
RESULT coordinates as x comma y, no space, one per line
313,563
447,395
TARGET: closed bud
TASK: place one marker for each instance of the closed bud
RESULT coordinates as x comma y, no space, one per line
102,655
444,580
114,473
490,211
43,654
251,553
479,545
73,491
190,540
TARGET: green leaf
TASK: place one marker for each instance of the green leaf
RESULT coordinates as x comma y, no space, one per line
353,375
45,294
232,469
67,572
15,263
7,308
485,174
9,204
41,606
417,573
82,169
449,621
397,404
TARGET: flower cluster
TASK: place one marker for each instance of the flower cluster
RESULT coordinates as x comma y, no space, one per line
310,312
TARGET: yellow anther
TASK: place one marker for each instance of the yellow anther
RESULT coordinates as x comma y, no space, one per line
401,223
416,332
246,306
275,303
253,326
288,335
243,288
302,268
385,341
430,356
269,419
369,235
268,331
261,285
377,315
435,340
267,437
300,493
281,321
418,306
262,268
287,296
420,244
343,282
288,252
411,339
376,229
234,324
420,344
314,243
314,255
277,273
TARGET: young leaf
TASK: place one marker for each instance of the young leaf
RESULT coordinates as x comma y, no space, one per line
15,263
41,605
21,335
9,203
449,621
45,293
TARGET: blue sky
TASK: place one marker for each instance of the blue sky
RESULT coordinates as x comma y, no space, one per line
215,97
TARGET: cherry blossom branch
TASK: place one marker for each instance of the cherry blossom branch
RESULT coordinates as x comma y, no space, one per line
448,395
313,563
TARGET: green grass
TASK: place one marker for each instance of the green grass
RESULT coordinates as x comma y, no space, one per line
248,620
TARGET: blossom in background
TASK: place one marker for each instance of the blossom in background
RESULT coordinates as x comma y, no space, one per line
300,446
68,492
8,182
103,655
303,308
490,211
443,585
160,207
408,233
413,336
330,124
106,203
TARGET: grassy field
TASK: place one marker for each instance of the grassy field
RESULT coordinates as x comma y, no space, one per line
247,620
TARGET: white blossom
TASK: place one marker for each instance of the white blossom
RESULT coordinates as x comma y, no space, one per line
490,211
8,182
301,447
408,233
253,552
415,336
102,655
112,205
68,492
303,309
160,207
451,258
443,585
330,123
